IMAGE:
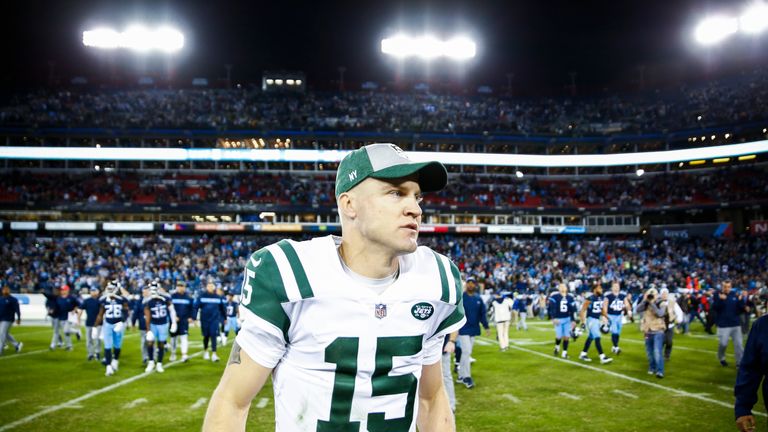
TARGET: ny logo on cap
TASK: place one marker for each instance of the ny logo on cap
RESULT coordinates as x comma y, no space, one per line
353,175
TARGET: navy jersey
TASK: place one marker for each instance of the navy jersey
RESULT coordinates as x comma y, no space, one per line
211,307
137,313
91,307
183,304
158,309
615,303
561,306
231,309
113,308
9,308
595,309
65,305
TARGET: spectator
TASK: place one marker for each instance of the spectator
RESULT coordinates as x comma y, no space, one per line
728,307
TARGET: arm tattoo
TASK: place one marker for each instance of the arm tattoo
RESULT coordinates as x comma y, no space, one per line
234,356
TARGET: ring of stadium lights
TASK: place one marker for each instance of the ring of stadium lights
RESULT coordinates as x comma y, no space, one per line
292,155
714,29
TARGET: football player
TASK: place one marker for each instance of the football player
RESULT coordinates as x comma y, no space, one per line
593,311
65,303
211,308
233,314
562,308
351,329
157,309
183,304
92,308
616,303
112,315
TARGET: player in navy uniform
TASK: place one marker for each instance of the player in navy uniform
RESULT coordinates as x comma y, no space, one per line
113,313
593,311
157,310
562,307
92,307
183,304
616,302
65,304
233,313
211,308
9,312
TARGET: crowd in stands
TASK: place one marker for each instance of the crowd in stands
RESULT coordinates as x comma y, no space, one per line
673,189
734,100
525,264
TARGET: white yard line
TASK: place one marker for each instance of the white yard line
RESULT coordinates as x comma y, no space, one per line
135,403
626,394
262,403
670,390
726,388
199,403
677,346
66,407
569,396
86,396
511,398
22,354
8,402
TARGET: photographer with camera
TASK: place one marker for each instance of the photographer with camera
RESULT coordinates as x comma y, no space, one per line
654,324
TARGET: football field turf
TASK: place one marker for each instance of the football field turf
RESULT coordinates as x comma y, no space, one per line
523,389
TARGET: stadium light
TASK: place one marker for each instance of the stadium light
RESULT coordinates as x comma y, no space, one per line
640,172
136,38
755,19
715,29
519,174
428,47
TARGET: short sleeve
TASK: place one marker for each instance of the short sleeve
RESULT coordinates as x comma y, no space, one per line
264,334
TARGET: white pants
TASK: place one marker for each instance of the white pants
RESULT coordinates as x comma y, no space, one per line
448,380
466,343
522,321
5,335
502,330
92,343
59,327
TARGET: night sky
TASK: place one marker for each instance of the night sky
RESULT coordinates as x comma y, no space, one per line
605,43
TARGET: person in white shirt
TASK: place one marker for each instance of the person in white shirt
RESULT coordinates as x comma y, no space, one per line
502,314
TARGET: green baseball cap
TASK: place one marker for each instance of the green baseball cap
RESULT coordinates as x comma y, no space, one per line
387,161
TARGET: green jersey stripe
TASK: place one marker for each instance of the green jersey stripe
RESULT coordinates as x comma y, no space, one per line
263,291
457,286
445,297
456,316
305,289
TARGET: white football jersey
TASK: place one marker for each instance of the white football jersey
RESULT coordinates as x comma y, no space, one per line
345,358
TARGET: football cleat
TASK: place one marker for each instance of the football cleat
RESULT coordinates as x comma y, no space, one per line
115,363
584,357
19,346
206,356
159,368
617,350
565,355
150,366
184,358
214,357
469,382
557,351
110,371
605,360
173,357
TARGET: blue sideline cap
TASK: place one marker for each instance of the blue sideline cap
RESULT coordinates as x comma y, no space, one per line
387,161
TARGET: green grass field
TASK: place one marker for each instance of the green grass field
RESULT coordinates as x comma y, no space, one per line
523,389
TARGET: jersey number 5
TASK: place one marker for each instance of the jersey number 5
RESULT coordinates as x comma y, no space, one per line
343,352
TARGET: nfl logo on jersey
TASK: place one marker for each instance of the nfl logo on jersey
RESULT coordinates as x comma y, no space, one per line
381,311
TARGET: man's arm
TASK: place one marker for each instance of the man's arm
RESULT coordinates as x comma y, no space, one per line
242,380
583,312
749,377
434,409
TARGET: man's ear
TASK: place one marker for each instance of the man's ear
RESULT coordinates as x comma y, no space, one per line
347,205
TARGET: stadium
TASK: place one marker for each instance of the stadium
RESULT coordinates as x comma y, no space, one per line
147,171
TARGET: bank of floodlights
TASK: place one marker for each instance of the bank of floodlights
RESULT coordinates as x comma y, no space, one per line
715,29
135,38
429,47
